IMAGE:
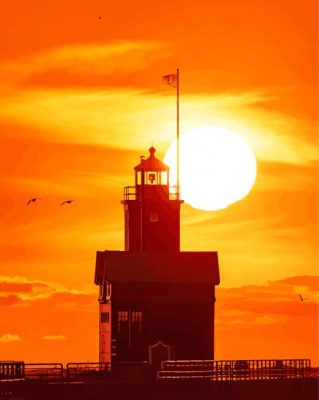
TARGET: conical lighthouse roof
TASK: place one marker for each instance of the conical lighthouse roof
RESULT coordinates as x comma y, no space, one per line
151,163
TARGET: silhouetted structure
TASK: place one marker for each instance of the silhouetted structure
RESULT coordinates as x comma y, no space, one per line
157,304
152,292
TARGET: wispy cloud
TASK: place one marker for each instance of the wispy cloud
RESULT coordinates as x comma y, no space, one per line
269,318
126,118
98,117
9,338
306,281
265,320
90,60
20,291
54,337
274,302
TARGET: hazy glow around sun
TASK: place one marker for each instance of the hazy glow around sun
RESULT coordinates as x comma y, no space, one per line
217,167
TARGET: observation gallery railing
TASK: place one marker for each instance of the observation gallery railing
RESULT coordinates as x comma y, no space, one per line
130,193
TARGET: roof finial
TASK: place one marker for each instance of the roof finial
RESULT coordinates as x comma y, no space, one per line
152,150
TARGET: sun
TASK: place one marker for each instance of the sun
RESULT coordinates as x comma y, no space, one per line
217,167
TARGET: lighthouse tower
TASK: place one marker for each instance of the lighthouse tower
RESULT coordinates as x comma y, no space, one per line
152,292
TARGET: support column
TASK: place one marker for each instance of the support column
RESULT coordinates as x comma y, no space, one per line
105,325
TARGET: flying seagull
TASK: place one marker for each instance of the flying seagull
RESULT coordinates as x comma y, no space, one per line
66,202
33,200
301,298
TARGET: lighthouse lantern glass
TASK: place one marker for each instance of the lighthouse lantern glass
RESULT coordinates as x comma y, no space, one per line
164,178
139,178
152,178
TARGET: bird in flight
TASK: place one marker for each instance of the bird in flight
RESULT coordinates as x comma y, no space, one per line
66,202
301,298
33,200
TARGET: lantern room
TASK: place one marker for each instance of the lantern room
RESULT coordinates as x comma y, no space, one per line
151,171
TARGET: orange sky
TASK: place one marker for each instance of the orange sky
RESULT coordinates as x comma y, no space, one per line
81,99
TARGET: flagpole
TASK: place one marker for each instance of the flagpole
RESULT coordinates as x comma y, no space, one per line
177,133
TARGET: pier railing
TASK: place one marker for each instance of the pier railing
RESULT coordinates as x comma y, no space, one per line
230,370
11,370
171,370
19,370
87,371
52,372
43,372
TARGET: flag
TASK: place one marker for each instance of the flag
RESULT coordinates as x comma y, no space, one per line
170,79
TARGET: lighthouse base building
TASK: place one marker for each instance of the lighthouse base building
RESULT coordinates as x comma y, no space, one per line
152,294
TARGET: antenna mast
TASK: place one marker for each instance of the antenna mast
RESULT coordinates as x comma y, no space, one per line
177,135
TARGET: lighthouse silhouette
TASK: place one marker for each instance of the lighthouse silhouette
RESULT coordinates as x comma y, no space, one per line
151,294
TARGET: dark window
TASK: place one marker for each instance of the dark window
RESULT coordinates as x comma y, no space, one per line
105,317
137,317
122,316
132,317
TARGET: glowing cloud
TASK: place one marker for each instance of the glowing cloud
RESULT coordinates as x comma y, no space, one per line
130,118
86,59
54,337
9,338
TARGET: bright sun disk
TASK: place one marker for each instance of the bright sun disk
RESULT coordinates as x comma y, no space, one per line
217,167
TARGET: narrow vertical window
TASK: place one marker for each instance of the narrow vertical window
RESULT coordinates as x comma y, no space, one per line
105,317
122,316
137,318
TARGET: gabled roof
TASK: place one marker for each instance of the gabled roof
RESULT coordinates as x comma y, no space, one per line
156,266
151,163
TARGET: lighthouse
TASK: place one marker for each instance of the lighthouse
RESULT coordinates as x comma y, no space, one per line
151,292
